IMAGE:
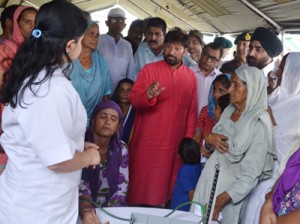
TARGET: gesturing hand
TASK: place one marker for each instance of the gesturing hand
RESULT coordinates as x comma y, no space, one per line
153,90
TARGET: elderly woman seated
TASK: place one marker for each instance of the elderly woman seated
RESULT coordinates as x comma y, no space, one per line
105,184
243,143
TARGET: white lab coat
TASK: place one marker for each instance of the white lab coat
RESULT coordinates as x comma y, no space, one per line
48,131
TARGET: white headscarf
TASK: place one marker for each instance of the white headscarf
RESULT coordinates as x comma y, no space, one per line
290,82
286,104
255,111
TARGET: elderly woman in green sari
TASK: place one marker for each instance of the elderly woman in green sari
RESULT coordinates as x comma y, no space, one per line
243,145
90,73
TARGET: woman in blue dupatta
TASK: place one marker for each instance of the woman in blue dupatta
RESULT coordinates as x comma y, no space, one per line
90,73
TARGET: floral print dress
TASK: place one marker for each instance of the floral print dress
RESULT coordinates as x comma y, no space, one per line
291,201
119,197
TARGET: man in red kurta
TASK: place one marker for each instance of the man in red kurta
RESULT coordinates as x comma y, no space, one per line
165,98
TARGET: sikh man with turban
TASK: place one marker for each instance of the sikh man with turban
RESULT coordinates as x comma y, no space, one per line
264,46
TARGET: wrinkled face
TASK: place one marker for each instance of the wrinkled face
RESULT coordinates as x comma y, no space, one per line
106,123
135,35
26,22
115,25
242,49
123,92
194,45
219,90
257,56
237,91
209,59
173,53
155,38
91,36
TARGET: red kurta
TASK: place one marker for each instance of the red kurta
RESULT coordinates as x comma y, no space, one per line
159,126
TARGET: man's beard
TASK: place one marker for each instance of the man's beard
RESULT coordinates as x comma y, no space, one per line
258,64
171,60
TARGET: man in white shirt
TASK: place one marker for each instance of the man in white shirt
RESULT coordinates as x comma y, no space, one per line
206,71
116,51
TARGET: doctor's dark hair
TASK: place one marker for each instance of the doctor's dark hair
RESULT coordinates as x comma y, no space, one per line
189,151
177,35
59,22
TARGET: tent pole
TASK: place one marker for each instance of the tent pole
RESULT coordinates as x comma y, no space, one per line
260,13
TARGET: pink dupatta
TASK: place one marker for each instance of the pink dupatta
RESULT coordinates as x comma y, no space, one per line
10,47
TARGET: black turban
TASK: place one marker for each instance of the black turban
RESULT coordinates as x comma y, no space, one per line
268,40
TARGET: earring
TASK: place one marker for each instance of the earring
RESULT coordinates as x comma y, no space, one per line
68,52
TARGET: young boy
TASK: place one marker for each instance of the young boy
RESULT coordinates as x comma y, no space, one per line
188,174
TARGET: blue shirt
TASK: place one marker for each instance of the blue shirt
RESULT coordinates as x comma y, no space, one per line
186,181
144,55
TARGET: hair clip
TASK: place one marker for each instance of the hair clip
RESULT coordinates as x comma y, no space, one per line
36,33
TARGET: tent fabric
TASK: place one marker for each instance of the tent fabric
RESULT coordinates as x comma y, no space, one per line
208,16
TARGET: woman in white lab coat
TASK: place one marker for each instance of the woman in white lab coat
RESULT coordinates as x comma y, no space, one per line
44,123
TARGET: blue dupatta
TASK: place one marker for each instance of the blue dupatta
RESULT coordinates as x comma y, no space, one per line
91,84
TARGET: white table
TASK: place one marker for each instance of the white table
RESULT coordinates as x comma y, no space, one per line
125,212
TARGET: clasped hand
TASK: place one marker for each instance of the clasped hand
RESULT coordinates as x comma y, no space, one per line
218,141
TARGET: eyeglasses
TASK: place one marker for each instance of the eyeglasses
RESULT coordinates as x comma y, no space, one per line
208,56
117,20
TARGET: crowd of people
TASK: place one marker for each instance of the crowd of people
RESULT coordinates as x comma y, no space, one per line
89,118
